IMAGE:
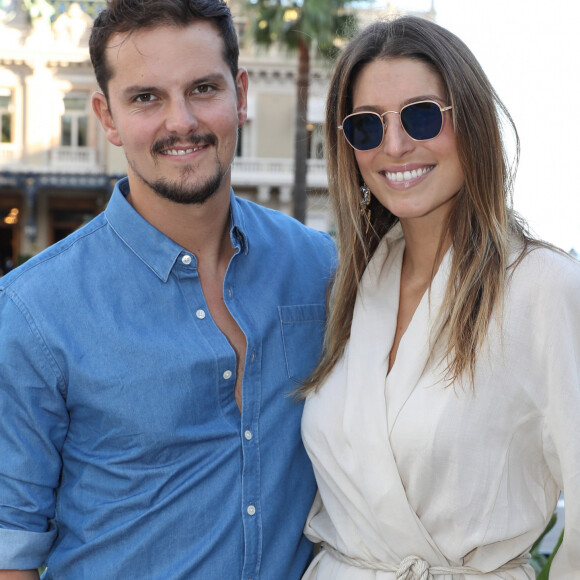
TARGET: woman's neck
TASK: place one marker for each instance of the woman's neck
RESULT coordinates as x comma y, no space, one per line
425,247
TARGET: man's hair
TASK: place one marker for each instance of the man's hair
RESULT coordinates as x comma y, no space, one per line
128,16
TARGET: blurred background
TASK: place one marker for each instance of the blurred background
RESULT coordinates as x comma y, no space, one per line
57,170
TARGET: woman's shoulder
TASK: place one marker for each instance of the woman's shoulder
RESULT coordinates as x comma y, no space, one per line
546,269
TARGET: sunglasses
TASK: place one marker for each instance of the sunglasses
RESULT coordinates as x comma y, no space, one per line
421,121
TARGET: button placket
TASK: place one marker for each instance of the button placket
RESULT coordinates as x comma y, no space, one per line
249,438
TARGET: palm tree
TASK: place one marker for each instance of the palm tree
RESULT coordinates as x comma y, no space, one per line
298,26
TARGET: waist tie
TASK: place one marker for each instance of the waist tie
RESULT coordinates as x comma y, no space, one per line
414,568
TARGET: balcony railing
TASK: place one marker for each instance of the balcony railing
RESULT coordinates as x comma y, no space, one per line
74,159
257,172
253,171
10,154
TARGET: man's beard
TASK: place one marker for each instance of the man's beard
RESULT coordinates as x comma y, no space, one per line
179,191
182,192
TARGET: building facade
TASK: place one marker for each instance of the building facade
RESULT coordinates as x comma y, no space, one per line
57,169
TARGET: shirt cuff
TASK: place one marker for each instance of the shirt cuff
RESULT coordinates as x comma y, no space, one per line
21,550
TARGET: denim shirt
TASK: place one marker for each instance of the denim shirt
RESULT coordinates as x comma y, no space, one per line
123,453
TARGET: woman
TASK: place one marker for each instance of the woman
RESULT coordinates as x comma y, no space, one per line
444,419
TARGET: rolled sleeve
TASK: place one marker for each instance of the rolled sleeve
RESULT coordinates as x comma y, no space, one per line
32,429
23,550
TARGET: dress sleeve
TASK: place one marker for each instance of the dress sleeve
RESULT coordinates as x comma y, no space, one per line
33,427
561,363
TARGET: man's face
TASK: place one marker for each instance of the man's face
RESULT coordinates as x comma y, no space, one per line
175,109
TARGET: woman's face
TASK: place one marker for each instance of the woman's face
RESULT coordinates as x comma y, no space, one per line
415,180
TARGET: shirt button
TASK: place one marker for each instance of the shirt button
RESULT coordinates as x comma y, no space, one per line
200,314
227,375
248,434
251,510
186,260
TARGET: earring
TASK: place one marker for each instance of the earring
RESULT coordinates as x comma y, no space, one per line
364,205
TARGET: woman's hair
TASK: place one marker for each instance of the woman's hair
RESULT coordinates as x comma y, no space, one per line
481,223
127,16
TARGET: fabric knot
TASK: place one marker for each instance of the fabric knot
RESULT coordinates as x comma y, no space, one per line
413,568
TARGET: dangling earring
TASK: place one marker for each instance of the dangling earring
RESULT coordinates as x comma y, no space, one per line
364,205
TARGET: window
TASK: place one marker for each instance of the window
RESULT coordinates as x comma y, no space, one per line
68,214
239,145
74,123
241,29
244,134
315,141
6,115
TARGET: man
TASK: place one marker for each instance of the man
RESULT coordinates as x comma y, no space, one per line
146,361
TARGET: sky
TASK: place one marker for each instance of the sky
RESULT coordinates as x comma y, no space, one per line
530,50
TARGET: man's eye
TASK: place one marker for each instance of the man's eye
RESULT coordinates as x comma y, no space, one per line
204,89
145,98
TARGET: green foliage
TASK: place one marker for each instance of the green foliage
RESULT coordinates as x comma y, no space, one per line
542,562
298,25
288,22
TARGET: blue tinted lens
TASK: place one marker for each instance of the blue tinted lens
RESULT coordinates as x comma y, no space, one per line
363,131
422,120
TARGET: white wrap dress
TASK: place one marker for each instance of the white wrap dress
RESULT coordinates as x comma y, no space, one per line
456,478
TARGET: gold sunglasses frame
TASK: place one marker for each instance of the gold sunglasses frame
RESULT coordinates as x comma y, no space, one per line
381,116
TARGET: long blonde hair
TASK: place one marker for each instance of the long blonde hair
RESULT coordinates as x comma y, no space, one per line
481,224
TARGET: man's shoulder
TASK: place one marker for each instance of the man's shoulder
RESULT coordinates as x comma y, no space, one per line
274,224
56,263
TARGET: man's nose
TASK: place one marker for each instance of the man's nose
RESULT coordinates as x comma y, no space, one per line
181,119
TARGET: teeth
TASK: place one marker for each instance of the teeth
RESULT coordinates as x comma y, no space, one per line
407,175
181,151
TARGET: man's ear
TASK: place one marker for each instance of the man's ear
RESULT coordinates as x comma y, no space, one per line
242,95
103,113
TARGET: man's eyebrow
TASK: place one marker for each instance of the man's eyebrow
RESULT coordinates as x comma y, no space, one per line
213,78
139,89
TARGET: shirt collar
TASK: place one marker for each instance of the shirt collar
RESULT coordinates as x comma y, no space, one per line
151,246
238,230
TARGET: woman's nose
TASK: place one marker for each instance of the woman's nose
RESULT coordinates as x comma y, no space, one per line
396,142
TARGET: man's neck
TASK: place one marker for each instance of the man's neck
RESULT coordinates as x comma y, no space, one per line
202,229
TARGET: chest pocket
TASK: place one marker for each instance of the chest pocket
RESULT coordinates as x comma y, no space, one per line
302,336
